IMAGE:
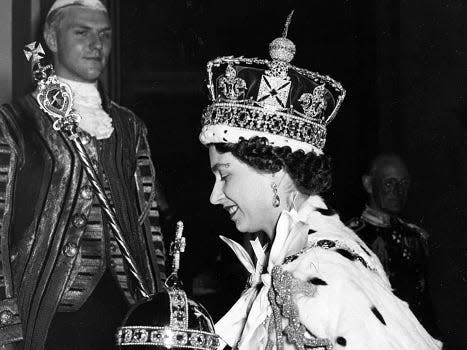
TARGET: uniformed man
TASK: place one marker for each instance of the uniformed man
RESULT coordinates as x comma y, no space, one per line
401,246
63,282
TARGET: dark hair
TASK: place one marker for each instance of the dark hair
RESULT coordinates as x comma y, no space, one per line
309,172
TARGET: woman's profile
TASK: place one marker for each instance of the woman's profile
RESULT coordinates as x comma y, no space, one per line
316,284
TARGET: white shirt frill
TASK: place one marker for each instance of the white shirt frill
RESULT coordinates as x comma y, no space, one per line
88,103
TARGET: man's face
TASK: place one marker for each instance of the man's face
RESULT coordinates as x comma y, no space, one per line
390,184
81,44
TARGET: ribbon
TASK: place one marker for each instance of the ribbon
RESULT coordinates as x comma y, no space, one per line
243,323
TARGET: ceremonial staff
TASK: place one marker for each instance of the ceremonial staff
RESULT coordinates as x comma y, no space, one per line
176,248
56,99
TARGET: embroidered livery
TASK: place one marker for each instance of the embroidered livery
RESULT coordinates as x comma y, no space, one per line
9,315
145,176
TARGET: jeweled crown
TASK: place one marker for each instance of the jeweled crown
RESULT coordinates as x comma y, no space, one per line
290,106
168,319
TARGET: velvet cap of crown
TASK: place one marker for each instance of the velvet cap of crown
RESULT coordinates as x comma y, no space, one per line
290,106
167,320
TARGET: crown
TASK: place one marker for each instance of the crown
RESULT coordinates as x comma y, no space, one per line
169,319
290,106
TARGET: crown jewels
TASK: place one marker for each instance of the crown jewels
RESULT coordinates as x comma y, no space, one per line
290,106
169,319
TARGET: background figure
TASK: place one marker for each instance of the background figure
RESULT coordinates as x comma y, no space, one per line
64,282
402,247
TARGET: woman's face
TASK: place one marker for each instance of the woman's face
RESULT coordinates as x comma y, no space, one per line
243,192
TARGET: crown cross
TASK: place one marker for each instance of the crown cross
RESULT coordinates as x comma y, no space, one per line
177,247
34,52
273,91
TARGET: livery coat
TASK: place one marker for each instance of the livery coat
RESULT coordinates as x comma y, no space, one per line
42,212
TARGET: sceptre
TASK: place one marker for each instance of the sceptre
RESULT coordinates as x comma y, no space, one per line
56,99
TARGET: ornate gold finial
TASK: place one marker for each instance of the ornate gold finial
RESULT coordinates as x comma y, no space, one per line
283,49
35,54
54,97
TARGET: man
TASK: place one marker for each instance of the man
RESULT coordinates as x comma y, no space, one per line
63,282
401,246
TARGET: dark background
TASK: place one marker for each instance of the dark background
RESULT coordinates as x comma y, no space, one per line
403,64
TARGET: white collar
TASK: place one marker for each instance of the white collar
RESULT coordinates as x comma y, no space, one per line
87,102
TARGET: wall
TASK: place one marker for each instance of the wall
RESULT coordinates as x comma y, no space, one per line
5,50
18,27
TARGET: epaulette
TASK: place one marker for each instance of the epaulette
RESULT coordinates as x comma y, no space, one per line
356,224
420,231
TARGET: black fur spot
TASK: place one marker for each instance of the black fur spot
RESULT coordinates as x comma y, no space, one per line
290,258
362,261
311,231
326,212
366,251
346,254
317,281
341,341
378,315
326,243
351,256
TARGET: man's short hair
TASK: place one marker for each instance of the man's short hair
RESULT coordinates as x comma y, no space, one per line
383,158
53,20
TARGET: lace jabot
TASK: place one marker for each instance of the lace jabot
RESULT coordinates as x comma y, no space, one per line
88,103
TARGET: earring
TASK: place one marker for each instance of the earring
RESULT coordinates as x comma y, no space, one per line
276,201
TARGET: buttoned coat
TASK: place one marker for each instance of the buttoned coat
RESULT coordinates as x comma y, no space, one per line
41,177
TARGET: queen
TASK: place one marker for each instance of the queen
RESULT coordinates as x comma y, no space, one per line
315,284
